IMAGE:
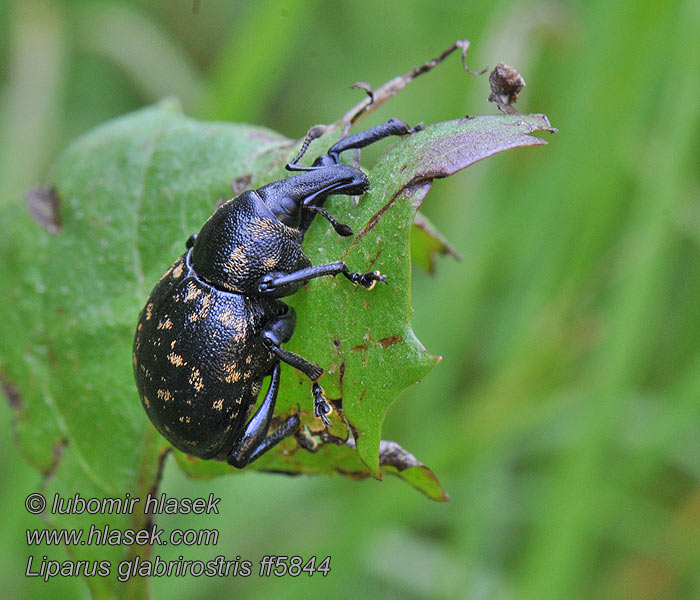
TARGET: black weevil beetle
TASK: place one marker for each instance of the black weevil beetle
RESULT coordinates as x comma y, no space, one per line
213,327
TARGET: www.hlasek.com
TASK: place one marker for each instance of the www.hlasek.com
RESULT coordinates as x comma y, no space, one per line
104,535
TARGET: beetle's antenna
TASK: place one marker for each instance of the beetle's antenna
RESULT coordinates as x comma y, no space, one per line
302,151
314,133
340,228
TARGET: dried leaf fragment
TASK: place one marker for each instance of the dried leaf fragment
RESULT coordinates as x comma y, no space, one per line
506,83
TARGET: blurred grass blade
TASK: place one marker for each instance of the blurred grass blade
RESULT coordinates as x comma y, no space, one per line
142,48
30,96
255,58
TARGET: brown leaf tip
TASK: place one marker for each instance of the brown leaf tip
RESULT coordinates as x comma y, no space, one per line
44,205
13,397
391,454
241,184
506,83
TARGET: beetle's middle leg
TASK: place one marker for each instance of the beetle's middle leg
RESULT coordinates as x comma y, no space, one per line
279,330
282,284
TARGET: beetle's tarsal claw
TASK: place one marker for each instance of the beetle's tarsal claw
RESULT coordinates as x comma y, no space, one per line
321,406
366,280
375,276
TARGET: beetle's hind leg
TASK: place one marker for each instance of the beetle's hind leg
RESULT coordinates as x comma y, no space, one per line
279,330
256,438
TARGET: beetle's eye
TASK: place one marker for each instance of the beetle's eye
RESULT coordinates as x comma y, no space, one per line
287,210
288,205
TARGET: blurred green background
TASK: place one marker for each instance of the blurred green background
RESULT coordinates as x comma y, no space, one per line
564,420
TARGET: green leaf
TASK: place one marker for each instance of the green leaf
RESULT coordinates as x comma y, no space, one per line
365,339
129,194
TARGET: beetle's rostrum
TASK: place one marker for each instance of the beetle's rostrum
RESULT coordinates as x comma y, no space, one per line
213,327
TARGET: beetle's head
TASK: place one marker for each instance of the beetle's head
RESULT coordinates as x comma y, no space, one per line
287,197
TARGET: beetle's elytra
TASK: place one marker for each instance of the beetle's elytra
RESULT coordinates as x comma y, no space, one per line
213,326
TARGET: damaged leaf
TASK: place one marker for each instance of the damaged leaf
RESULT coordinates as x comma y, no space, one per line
292,460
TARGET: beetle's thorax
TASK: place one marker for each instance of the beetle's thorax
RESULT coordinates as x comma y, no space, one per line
243,241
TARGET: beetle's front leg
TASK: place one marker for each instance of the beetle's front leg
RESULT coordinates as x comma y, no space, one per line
354,141
255,441
282,284
278,331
